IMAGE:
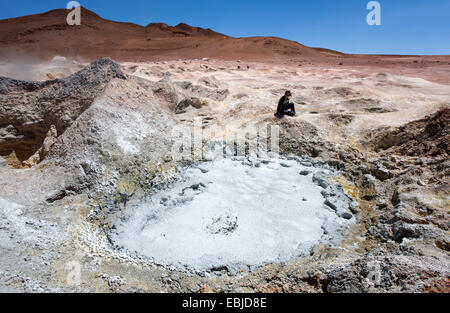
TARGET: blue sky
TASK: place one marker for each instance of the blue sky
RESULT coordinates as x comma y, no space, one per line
408,26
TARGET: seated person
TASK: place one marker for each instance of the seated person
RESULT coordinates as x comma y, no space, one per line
285,107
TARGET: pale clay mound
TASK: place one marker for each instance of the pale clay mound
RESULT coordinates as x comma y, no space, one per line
98,155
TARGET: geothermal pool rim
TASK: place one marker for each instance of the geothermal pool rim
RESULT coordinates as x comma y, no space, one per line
328,208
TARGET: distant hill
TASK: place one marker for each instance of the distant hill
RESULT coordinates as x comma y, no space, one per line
45,35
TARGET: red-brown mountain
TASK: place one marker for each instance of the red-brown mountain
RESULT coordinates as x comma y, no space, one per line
46,35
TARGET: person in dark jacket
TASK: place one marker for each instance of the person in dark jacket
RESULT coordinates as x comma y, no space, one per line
285,107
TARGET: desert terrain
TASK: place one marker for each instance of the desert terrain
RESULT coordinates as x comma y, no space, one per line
86,137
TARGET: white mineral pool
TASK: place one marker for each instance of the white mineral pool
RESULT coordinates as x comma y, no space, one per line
233,214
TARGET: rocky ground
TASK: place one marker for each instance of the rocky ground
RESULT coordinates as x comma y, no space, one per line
78,151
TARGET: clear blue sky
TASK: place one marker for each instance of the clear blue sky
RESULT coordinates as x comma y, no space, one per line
408,26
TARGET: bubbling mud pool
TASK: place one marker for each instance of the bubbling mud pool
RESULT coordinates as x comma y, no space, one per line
238,215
